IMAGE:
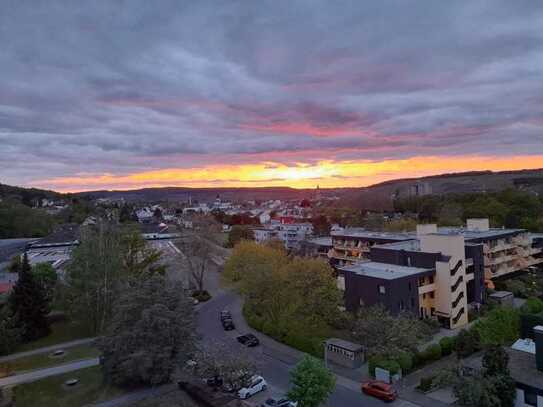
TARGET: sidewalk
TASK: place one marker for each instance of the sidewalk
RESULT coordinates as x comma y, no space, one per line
47,349
50,371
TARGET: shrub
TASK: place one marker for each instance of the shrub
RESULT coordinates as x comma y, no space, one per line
379,361
426,383
467,342
432,352
533,305
447,345
406,361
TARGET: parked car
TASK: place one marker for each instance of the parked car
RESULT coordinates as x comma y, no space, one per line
228,324
225,314
215,381
279,402
379,389
256,384
248,340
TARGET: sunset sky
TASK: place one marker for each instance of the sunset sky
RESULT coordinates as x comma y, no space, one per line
127,94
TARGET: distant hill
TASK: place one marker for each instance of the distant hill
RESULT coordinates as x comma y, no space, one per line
27,196
381,196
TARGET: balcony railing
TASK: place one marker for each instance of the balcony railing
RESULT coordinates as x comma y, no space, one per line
456,268
457,301
457,317
457,284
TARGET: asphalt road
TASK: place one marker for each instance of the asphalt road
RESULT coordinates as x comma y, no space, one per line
272,363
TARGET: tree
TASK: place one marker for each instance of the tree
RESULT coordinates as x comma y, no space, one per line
495,361
15,264
382,333
28,302
239,233
467,342
475,391
126,214
94,275
321,226
137,256
10,331
197,255
500,326
46,275
157,214
152,332
312,383
216,360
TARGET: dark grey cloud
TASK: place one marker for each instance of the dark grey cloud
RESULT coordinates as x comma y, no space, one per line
120,87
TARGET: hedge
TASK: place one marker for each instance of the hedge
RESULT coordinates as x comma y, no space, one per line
447,345
431,353
376,361
406,361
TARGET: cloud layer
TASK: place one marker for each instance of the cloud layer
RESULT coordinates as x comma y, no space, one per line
115,91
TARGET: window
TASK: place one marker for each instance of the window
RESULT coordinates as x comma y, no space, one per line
409,286
424,296
382,289
409,261
432,311
431,294
530,397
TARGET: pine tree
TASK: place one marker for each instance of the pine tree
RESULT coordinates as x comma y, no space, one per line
28,301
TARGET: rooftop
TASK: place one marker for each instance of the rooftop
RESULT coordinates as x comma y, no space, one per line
476,234
321,241
410,245
363,233
383,270
341,343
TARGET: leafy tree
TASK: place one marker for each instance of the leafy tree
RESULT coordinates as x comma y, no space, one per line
501,326
467,342
533,305
475,391
138,257
312,383
15,264
126,214
321,226
94,275
10,331
152,332
239,233
495,361
46,275
382,333
28,302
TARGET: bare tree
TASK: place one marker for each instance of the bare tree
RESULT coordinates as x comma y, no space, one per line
197,252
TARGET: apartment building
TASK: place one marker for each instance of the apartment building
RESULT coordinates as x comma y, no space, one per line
351,245
433,276
291,234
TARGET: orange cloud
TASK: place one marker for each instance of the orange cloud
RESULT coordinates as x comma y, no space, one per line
302,175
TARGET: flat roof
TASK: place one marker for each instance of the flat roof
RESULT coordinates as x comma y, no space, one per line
478,234
363,233
321,241
341,343
411,245
383,271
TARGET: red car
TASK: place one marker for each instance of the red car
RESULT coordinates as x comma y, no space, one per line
379,389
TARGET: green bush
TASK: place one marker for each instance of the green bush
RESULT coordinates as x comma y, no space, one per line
378,361
500,327
447,345
426,383
533,305
432,352
406,361
467,342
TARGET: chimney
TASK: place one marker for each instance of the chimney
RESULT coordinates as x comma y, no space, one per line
538,339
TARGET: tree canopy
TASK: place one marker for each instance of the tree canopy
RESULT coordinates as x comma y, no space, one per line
312,383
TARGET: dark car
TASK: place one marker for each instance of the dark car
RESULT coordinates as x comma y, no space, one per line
279,402
379,389
228,324
225,315
214,382
248,340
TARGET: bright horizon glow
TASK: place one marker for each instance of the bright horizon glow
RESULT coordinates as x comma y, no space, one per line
326,173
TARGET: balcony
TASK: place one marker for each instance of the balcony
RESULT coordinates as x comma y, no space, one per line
425,289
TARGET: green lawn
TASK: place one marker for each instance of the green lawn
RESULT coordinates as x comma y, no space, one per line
62,331
45,360
51,392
